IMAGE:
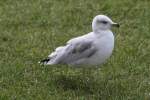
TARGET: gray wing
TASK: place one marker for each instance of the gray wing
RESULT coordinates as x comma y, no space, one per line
75,51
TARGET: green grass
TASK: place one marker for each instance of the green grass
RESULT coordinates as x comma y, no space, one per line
31,29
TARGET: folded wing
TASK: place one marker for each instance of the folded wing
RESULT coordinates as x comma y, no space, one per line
72,52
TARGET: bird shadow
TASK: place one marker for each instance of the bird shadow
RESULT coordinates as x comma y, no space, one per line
86,83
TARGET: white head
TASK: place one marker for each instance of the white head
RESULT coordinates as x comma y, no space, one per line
102,22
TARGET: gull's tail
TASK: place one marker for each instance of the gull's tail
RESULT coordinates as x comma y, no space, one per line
44,61
50,60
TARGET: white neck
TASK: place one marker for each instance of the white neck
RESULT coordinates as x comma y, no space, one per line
101,31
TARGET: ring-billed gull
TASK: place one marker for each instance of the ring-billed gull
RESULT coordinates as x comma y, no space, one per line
90,49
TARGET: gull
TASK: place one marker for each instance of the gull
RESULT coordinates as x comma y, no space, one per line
94,48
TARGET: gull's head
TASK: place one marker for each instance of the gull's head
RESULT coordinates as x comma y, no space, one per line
102,22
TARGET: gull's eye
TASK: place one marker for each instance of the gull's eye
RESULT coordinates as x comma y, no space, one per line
103,22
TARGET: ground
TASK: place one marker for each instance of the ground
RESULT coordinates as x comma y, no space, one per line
31,29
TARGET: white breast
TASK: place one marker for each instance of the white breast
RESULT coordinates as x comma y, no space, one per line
105,45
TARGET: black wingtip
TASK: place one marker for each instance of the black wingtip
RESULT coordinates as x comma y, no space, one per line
44,61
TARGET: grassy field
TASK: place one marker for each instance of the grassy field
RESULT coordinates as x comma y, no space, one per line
31,29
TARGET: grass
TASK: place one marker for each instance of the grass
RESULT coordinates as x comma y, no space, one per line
31,29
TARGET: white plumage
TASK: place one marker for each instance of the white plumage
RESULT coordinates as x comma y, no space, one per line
90,49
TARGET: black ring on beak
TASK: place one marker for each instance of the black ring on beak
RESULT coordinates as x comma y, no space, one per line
116,25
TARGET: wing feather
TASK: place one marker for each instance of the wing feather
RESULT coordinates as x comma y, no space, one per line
75,51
